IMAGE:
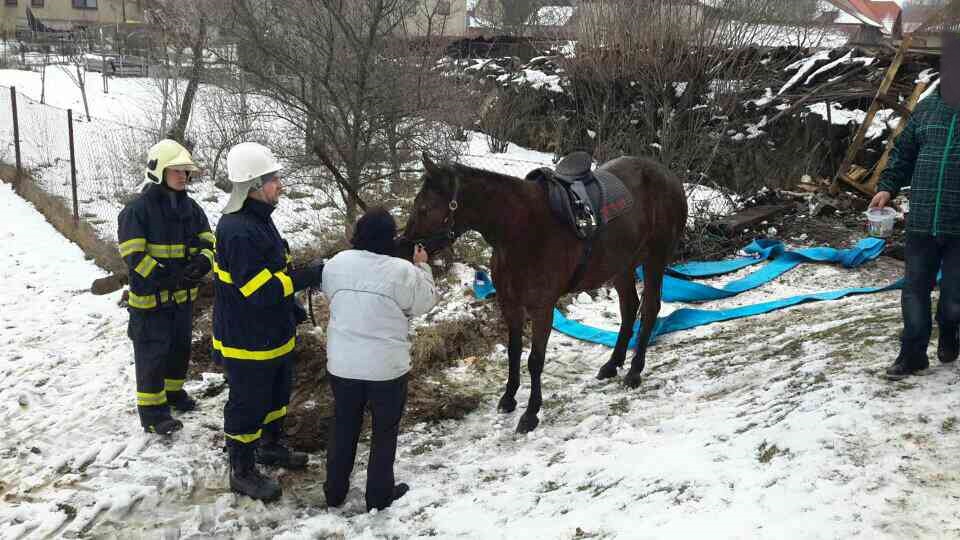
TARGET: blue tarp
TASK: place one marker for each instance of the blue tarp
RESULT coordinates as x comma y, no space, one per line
680,290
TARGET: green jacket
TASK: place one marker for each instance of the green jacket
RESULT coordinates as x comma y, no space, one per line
927,158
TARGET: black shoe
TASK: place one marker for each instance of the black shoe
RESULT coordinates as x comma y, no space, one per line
902,368
245,479
399,490
180,401
164,427
278,455
948,347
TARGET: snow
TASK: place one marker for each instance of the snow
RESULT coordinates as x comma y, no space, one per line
846,59
843,117
772,428
802,67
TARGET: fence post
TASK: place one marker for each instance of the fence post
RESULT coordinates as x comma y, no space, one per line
73,170
16,132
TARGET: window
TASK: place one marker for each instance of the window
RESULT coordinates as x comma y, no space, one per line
10,2
36,3
85,4
443,8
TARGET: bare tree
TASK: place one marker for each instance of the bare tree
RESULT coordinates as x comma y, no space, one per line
342,79
78,61
512,17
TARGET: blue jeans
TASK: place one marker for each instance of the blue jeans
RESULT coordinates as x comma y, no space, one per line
925,255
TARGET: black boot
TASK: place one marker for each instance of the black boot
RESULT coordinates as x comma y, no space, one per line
164,426
904,366
181,401
949,345
245,479
273,451
399,490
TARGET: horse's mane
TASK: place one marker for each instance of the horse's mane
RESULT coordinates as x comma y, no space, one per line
454,168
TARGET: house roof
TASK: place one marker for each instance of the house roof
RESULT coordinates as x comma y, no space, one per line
879,14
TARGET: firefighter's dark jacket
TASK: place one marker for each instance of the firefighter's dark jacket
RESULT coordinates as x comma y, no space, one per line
254,314
158,233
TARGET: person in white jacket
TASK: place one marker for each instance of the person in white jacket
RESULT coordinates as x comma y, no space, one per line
373,295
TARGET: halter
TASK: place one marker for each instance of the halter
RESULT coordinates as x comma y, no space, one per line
447,233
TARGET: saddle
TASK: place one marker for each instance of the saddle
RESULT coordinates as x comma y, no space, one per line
582,198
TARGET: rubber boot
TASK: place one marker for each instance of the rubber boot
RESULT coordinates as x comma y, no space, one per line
948,347
164,426
180,401
273,451
245,479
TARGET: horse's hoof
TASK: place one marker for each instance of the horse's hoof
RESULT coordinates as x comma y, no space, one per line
608,371
527,423
507,405
632,379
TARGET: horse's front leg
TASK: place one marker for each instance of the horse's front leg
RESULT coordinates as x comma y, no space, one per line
513,316
542,325
649,309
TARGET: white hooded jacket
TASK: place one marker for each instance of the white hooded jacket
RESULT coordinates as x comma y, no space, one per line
372,299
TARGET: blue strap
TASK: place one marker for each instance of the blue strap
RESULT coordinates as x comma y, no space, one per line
681,290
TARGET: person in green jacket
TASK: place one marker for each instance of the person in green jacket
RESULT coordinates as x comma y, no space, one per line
927,158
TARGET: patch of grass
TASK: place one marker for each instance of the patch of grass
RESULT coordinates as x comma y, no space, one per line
550,486
766,452
425,447
556,458
948,425
620,407
296,194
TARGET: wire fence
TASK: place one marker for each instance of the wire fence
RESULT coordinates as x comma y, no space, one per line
92,165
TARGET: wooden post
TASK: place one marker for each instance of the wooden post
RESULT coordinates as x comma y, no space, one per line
73,169
871,113
16,132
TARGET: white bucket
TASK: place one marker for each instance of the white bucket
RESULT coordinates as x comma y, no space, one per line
880,221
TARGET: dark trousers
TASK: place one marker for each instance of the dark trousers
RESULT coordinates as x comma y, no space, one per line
386,400
258,399
161,352
925,255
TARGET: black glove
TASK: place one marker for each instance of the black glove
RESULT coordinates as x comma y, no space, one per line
299,312
309,276
198,267
167,279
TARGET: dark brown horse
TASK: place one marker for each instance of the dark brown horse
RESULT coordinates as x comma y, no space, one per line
534,257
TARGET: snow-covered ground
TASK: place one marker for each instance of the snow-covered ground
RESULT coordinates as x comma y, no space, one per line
773,427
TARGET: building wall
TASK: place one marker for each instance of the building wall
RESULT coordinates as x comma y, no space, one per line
62,13
438,17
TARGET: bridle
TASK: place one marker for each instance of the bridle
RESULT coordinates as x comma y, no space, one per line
447,234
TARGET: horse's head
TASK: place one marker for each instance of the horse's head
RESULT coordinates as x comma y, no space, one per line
432,218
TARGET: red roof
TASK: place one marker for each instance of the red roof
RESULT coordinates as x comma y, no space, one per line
871,12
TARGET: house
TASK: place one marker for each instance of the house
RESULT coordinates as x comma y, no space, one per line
926,20
552,20
866,22
70,14
447,18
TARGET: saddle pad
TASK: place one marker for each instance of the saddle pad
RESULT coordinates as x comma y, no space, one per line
616,199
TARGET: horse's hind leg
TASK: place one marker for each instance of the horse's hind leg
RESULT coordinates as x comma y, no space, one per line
542,325
649,308
513,316
626,285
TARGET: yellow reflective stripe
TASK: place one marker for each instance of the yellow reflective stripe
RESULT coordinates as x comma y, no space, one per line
146,266
147,399
287,283
248,438
289,258
222,274
149,301
274,415
208,254
209,237
244,354
173,385
167,251
134,245
258,281
141,302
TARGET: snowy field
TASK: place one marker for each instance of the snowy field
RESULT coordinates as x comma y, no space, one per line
773,427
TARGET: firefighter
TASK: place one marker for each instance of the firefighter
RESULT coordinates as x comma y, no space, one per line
254,321
166,242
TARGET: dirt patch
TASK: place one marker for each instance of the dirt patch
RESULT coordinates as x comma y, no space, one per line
433,396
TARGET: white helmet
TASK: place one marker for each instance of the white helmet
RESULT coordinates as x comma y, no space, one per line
247,163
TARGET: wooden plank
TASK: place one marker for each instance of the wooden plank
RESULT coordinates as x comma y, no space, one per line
746,218
885,157
871,113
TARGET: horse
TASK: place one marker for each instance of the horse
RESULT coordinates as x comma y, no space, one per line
534,256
